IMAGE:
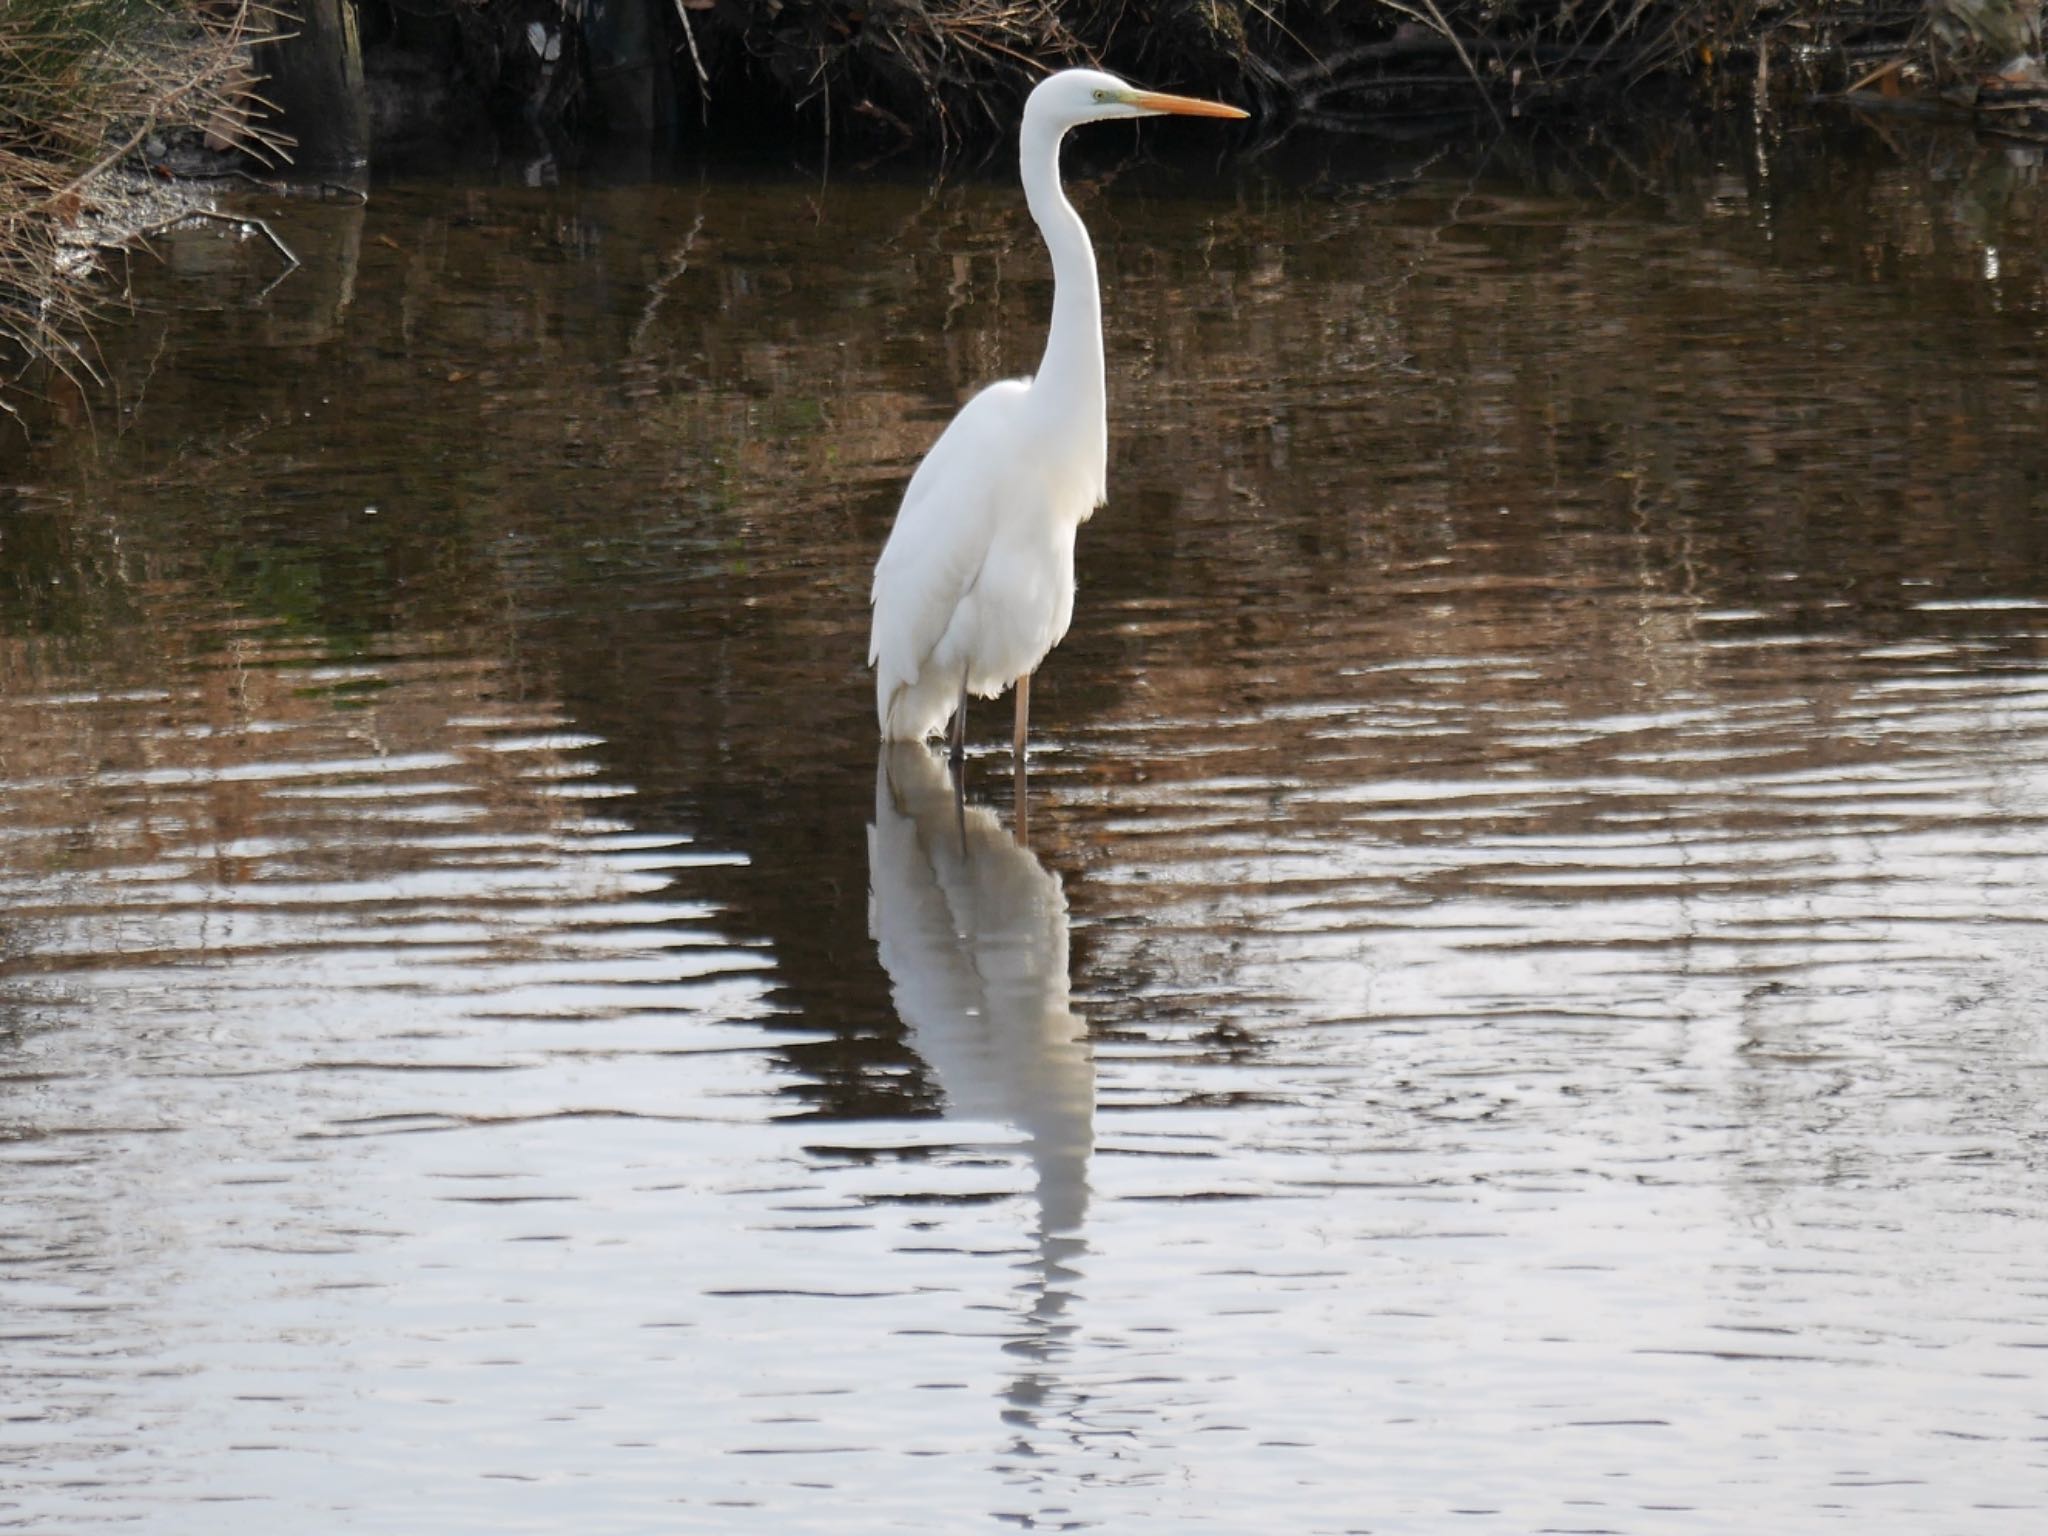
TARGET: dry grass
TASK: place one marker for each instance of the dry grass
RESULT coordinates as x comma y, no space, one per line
83,84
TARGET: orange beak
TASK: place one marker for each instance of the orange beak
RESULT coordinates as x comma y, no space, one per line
1183,106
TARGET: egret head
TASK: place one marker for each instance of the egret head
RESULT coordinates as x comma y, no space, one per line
1089,96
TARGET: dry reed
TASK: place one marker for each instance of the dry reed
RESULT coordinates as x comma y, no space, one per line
83,86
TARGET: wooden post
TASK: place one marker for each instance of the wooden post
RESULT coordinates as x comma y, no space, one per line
314,70
630,77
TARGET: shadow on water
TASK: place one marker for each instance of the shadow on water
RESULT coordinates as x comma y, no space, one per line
1539,810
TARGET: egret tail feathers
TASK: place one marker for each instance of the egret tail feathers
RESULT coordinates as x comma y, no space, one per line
914,709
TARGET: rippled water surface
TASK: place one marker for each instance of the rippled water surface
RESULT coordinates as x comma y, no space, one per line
1520,1004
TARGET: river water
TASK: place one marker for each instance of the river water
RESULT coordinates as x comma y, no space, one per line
1521,1004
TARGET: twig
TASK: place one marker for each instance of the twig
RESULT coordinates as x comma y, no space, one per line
697,60
292,262
658,290
1281,27
1435,21
1889,67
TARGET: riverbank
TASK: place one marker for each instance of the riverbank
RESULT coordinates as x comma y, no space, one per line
949,75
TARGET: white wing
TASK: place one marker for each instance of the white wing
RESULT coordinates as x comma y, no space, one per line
942,535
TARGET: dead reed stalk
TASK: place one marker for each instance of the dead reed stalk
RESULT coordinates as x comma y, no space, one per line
83,86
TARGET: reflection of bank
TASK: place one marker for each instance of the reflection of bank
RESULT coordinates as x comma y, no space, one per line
972,930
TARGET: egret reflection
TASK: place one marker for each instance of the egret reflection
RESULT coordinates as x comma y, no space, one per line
972,930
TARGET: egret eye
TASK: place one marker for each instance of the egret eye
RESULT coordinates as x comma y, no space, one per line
1102,95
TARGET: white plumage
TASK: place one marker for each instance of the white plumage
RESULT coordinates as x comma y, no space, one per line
976,583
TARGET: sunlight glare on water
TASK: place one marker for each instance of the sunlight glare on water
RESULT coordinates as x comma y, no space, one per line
1519,1006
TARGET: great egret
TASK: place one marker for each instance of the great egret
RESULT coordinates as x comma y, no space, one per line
976,583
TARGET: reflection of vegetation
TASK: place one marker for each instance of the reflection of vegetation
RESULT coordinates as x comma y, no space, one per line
59,576
756,414
753,416
310,591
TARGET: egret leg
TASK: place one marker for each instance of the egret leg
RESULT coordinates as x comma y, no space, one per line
958,754
1020,791
1023,716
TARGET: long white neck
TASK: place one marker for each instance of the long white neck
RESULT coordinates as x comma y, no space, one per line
1070,377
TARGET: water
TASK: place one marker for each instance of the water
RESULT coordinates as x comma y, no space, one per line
1519,1005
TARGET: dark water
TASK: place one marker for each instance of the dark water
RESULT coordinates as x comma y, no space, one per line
1524,1005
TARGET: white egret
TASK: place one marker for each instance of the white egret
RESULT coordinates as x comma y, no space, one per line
976,583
